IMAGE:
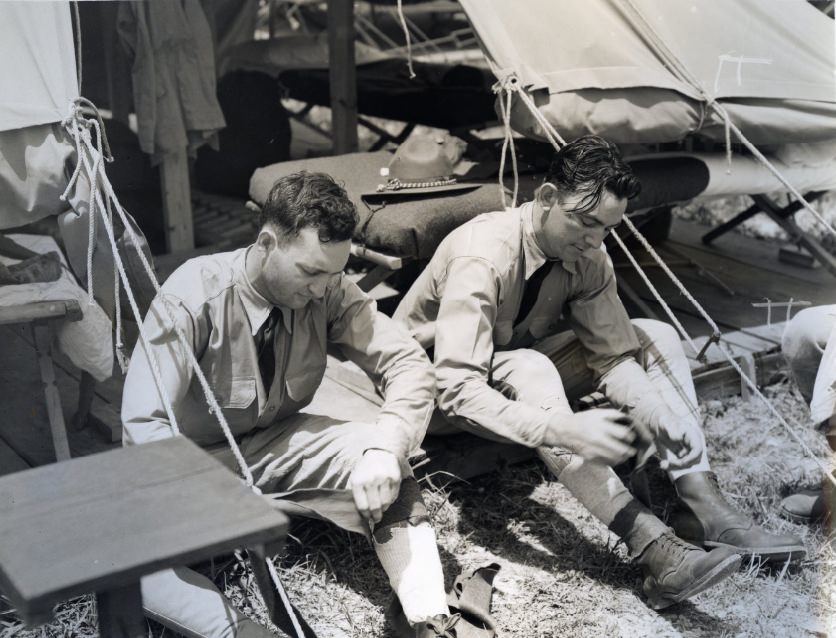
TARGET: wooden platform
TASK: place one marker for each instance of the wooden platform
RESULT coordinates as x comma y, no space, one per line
726,278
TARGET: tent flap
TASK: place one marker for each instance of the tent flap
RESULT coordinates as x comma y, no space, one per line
37,71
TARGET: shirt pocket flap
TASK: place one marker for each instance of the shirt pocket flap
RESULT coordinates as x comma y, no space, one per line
242,393
304,384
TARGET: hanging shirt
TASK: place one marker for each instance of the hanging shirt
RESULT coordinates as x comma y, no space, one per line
466,304
173,74
220,313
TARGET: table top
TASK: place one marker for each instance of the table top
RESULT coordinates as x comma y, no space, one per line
103,521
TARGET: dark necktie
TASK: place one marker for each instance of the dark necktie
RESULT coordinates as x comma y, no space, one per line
532,290
266,348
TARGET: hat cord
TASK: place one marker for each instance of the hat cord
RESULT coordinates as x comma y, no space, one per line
395,184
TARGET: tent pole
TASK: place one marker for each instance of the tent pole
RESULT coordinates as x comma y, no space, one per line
343,75
177,202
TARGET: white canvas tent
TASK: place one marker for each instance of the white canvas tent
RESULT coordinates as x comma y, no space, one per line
613,67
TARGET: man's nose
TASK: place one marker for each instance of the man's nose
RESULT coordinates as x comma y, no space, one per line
593,240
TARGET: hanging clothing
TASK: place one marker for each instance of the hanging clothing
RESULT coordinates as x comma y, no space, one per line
173,73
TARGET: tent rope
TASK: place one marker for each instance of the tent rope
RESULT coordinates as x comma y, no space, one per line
406,34
84,143
508,141
553,136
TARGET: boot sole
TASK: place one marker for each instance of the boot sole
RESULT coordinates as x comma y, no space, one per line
767,554
801,519
719,573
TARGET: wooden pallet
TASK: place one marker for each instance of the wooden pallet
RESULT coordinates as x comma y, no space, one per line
222,222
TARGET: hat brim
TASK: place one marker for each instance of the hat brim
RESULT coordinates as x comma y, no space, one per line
418,192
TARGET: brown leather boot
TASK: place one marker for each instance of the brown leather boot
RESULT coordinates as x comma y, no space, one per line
675,570
706,518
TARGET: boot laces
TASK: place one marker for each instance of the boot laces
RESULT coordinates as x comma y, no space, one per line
443,625
675,546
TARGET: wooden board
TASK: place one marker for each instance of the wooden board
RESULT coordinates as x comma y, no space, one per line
101,522
748,266
10,461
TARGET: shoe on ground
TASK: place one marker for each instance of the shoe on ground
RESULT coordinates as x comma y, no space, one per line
805,507
706,519
675,570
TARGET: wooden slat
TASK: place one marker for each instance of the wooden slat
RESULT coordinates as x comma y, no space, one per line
43,344
23,313
10,461
719,380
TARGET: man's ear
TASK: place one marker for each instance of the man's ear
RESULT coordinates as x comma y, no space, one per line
546,196
267,239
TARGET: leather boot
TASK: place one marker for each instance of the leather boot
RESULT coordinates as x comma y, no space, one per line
675,570
706,518
805,507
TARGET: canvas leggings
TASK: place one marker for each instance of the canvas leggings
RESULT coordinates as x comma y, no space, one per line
554,373
306,461
809,345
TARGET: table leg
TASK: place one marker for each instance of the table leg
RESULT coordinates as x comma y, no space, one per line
42,333
120,613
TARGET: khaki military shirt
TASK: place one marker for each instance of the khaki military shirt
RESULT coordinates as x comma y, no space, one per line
465,303
215,305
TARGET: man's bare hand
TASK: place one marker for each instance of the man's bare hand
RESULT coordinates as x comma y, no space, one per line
597,435
676,434
375,483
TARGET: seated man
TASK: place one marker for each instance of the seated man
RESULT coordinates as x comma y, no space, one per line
809,344
259,320
477,307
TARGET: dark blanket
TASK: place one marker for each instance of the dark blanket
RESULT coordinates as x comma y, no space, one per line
401,225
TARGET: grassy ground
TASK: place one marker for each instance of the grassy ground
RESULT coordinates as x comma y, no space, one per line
562,572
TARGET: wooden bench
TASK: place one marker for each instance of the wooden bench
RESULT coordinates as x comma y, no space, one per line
99,523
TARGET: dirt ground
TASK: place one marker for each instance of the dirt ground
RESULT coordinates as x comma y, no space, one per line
562,573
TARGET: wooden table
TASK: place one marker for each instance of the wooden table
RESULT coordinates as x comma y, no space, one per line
99,523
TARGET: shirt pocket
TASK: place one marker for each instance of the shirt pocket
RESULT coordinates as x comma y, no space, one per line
242,393
303,385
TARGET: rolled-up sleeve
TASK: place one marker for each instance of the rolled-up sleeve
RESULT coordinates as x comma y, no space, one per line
144,417
463,352
392,358
600,321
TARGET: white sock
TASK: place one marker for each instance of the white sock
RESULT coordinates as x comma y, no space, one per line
409,556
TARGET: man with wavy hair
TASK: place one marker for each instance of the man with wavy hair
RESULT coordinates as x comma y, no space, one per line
259,320
520,313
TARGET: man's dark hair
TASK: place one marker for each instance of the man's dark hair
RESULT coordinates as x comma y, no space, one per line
303,200
587,166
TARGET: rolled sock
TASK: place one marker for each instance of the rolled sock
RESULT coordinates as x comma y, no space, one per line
409,556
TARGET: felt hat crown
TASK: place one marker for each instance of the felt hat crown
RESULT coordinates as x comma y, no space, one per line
422,165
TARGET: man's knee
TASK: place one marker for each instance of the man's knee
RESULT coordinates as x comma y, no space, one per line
662,335
191,605
802,333
525,367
